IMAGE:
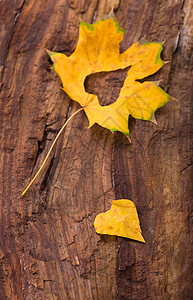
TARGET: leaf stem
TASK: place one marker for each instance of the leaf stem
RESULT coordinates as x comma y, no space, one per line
54,142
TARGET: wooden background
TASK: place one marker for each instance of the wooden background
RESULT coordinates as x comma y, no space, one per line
48,245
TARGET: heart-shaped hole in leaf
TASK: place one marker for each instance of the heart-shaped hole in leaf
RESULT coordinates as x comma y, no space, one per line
106,85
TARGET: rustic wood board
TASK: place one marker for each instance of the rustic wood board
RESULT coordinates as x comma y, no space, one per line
48,245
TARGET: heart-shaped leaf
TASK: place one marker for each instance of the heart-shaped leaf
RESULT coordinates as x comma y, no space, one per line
121,220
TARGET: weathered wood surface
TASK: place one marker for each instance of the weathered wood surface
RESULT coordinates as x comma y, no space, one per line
48,246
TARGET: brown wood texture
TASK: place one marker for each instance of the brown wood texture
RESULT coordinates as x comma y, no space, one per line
48,245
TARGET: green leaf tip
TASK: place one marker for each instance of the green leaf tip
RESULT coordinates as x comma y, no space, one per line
50,53
119,29
158,59
88,26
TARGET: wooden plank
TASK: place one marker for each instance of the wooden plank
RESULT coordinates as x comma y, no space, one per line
48,246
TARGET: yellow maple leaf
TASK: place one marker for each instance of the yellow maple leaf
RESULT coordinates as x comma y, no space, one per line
121,220
98,51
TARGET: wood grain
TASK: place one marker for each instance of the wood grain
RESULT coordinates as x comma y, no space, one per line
48,245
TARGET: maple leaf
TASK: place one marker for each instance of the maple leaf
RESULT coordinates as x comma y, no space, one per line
121,220
98,51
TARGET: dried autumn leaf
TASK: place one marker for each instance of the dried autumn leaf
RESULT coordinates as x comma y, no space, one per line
121,220
98,51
